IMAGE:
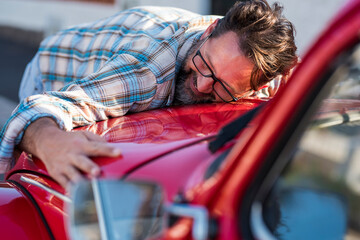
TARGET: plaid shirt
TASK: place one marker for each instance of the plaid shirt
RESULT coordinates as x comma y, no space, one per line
124,63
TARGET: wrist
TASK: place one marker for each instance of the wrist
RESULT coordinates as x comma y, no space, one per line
37,134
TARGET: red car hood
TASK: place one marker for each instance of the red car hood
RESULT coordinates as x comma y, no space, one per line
148,135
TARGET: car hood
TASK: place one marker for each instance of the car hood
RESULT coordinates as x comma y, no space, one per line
146,136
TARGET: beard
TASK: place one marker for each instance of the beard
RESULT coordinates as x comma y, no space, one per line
183,93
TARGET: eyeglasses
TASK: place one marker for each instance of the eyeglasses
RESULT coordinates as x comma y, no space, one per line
218,86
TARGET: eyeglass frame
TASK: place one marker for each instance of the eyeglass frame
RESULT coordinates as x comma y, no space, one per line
212,75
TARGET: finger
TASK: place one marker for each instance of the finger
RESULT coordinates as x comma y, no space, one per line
86,165
102,149
72,174
61,179
93,137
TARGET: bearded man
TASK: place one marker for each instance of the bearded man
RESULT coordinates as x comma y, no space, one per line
140,59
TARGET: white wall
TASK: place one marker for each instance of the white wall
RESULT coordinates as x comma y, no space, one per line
198,6
309,16
50,16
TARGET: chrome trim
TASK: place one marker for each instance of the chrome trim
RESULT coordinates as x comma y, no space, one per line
46,188
99,208
200,215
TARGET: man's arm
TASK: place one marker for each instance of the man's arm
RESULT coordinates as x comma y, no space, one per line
55,148
111,92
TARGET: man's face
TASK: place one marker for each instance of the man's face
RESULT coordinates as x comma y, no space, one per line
225,60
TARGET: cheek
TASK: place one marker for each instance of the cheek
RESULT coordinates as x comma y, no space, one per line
190,79
242,84
190,72
190,67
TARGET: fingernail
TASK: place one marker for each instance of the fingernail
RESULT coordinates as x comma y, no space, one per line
95,172
116,151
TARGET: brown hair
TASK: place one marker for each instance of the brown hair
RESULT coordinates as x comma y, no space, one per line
265,36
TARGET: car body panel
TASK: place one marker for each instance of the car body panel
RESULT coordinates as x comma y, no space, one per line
180,171
19,218
51,207
143,138
162,130
247,156
170,146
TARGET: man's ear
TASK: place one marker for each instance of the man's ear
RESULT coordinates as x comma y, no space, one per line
210,28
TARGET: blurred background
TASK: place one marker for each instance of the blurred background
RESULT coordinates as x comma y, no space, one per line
24,23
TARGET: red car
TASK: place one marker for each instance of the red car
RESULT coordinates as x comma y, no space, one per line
284,169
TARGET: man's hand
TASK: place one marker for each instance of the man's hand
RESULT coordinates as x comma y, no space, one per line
65,153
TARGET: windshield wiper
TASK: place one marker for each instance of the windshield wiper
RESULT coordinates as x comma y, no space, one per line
229,132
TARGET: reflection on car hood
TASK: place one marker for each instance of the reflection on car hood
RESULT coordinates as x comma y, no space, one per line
145,136
149,135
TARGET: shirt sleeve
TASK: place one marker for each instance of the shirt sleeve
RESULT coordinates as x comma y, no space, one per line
269,90
124,84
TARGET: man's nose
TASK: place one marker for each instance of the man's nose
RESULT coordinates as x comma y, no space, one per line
204,84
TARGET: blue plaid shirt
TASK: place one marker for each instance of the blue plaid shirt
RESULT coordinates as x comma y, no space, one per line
124,63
